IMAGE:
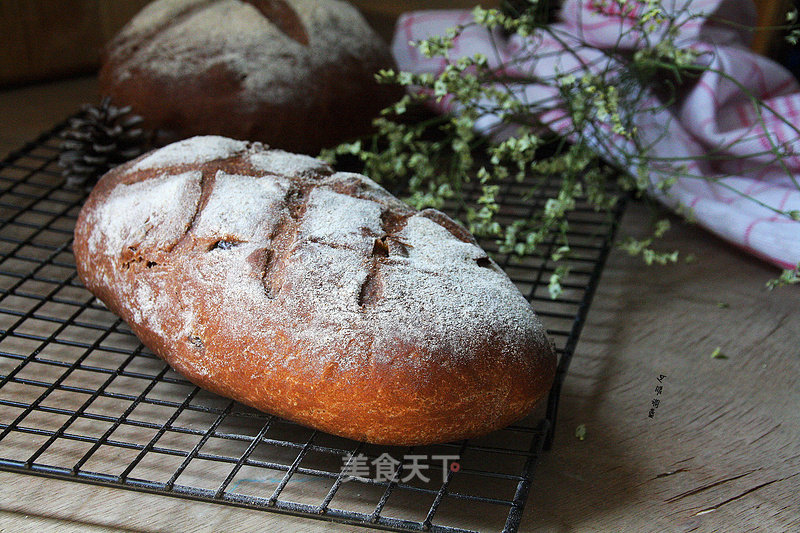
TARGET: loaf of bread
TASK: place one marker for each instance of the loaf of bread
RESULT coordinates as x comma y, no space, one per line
298,74
267,277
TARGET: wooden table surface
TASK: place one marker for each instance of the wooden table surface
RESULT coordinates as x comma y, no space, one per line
722,452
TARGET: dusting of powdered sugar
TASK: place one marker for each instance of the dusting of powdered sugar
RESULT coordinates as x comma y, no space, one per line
340,220
432,243
156,14
196,150
367,189
326,282
235,35
147,214
437,299
151,302
243,207
312,274
287,164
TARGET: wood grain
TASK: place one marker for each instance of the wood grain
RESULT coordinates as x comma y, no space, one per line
41,39
721,453
771,15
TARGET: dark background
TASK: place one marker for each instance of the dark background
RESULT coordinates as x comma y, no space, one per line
51,39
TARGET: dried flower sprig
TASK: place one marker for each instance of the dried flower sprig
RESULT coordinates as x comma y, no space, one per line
787,277
601,104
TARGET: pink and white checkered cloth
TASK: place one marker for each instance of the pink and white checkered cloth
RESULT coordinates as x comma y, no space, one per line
714,118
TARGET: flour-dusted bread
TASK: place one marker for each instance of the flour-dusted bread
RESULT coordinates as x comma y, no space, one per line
316,295
298,74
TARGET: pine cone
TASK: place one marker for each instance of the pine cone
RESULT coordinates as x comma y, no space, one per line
101,138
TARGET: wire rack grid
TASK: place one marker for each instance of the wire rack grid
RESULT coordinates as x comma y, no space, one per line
82,399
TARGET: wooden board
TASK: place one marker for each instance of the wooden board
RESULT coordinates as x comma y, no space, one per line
42,39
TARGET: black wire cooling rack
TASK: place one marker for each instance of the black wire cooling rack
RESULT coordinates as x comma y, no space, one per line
82,399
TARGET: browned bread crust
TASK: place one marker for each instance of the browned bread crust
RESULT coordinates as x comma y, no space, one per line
316,295
298,74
